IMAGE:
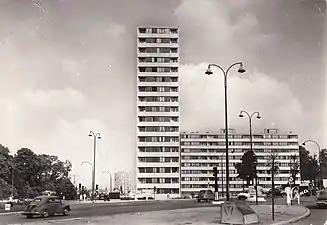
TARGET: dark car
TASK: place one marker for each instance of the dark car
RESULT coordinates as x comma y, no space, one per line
205,195
104,197
277,193
46,206
321,198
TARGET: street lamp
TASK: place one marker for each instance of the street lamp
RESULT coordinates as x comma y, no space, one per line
250,116
110,179
222,173
209,72
95,137
319,159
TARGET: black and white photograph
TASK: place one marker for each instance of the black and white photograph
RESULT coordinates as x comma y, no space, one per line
163,112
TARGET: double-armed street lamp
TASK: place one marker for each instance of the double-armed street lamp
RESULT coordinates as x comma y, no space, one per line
250,116
319,158
95,137
225,73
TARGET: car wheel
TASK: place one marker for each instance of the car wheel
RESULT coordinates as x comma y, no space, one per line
45,213
29,216
66,211
199,200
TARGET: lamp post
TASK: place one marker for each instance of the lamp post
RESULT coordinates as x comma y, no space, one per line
222,173
95,137
319,159
225,72
110,179
250,116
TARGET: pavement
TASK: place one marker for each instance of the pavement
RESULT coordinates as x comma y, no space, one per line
198,216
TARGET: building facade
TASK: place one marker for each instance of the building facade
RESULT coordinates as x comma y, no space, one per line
122,182
200,152
157,157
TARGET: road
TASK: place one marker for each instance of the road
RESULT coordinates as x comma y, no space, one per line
101,209
317,216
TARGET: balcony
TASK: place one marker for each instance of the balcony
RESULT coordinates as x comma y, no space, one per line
157,35
157,45
158,114
144,124
157,164
157,54
157,154
157,144
169,94
157,175
157,64
157,103
151,134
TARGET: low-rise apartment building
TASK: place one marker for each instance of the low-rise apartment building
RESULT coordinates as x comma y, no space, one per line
200,152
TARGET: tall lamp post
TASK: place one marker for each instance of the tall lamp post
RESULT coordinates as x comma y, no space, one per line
319,159
110,179
225,73
222,173
250,116
95,137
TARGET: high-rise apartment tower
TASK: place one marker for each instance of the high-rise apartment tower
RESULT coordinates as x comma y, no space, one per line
158,111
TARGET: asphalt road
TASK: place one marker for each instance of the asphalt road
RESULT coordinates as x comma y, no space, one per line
101,209
317,216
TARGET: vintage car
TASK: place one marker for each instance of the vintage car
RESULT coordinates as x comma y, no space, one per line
46,206
205,195
321,198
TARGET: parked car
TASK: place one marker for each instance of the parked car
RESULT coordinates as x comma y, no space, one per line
205,195
104,197
46,206
277,193
321,198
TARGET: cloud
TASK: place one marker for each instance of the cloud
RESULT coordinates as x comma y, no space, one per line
53,98
202,100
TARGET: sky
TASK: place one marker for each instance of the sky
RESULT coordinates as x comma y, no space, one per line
69,66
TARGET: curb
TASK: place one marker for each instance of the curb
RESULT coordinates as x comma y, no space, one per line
10,213
306,214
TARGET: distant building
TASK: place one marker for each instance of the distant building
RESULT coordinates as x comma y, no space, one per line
200,152
122,182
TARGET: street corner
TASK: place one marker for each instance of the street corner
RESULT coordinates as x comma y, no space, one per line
283,214
298,212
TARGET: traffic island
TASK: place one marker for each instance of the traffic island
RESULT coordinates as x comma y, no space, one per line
199,216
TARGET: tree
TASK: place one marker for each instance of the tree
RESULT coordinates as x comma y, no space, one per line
247,168
273,164
6,189
309,167
323,160
240,172
295,167
6,165
4,150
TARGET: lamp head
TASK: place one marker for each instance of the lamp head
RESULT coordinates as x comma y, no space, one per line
208,71
99,137
258,116
241,69
241,114
303,143
90,135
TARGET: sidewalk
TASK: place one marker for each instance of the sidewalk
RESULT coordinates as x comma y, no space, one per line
198,216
